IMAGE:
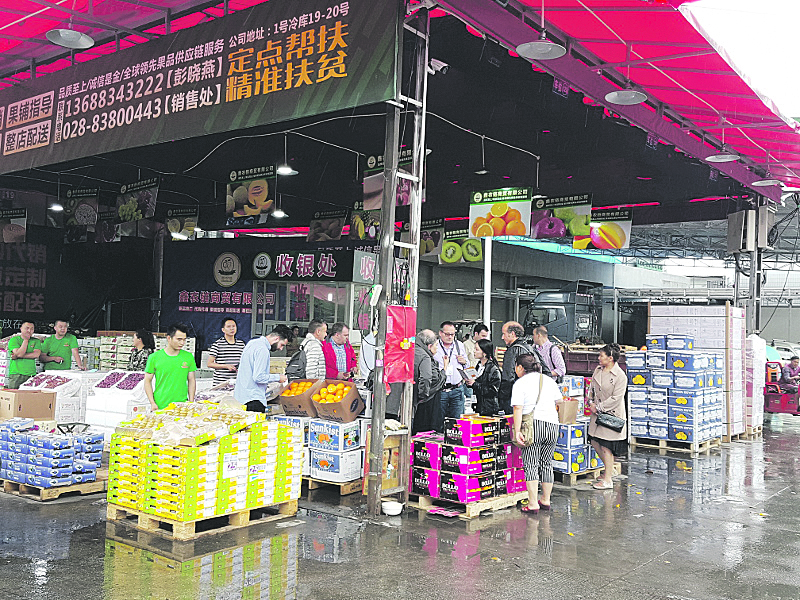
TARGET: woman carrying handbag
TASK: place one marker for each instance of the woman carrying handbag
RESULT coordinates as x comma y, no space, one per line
534,398
608,427
486,385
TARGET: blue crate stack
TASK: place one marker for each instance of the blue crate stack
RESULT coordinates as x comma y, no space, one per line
674,391
45,460
573,454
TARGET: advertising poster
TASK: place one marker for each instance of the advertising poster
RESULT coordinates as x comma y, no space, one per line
373,181
609,229
364,224
137,200
277,61
561,216
251,196
13,225
327,225
107,230
181,223
80,214
431,237
458,248
505,211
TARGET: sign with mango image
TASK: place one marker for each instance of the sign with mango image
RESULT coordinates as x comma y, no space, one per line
249,200
505,211
609,229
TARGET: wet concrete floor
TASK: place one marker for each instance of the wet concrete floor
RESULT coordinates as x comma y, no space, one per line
726,526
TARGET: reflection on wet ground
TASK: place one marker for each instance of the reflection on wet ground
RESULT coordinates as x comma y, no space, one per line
718,527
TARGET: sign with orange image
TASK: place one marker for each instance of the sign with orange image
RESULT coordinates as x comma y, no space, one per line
494,213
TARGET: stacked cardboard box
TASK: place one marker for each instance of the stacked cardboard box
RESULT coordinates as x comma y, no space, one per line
117,397
115,350
472,461
674,391
301,423
336,450
47,460
573,454
89,349
755,380
256,466
3,366
721,330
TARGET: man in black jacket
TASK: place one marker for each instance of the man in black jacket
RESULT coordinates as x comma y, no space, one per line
429,380
515,345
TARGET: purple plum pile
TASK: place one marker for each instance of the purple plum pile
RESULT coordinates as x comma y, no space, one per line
110,380
55,381
131,381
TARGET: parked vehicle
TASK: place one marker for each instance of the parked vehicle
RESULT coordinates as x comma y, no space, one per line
786,349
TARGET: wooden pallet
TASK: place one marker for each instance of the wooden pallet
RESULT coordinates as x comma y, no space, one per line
191,530
664,446
572,479
345,489
754,432
472,509
736,437
32,492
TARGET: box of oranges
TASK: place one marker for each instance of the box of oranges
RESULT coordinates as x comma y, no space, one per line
296,399
340,402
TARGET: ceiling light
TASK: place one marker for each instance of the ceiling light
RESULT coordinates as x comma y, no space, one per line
69,38
541,49
724,154
279,214
626,97
285,168
767,181
56,207
482,170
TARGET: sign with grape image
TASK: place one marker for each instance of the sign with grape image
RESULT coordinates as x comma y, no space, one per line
137,200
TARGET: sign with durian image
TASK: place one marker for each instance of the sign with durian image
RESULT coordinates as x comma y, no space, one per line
561,216
80,213
504,211
137,200
13,225
181,223
458,248
327,225
609,229
250,198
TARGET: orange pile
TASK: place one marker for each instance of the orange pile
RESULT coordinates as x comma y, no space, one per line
333,393
297,387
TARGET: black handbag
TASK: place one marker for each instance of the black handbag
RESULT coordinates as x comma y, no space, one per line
609,421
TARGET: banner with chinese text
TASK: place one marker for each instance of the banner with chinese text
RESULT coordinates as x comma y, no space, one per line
276,61
23,280
13,225
251,196
561,216
609,229
505,211
80,213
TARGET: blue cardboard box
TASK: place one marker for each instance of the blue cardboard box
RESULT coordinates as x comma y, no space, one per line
719,378
52,452
657,412
658,431
662,379
49,442
684,398
16,476
334,437
656,359
571,435
91,438
86,477
49,472
638,412
683,433
18,437
638,395
679,342
17,467
636,359
82,466
639,377
595,462
687,360
689,381
95,457
572,385
657,395
658,342
639,429
48,482
87,448
681,415
19,457
573,460
53,463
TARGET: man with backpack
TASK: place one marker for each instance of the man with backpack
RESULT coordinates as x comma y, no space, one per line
515,346
551,356
309,361
253,375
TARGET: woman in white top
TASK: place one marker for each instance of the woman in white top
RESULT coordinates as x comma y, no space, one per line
535,392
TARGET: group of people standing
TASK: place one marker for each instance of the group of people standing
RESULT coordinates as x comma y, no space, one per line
57,352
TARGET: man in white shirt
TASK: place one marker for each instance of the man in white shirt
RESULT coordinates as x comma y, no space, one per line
315,359
479,332
451,356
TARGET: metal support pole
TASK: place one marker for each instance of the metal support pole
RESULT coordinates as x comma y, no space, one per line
168,21
33,68
754,302
487,282
385,277
737,293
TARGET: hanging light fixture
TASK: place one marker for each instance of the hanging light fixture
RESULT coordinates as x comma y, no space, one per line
286,168
278,212
627,96
56,207
483,170
69,38
725,153
541,49
766,182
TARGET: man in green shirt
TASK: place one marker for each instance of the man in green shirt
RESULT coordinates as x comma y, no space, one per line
172,369
23,349
60,349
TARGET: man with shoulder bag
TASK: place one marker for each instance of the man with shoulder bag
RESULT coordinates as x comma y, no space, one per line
549,355
515,346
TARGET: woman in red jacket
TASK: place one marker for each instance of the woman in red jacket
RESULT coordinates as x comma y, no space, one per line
340,358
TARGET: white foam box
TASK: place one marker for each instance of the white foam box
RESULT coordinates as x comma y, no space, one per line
337,467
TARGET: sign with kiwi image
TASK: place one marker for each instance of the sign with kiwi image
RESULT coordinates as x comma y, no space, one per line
13,225
251,196
561,216
609,229
458,248
327,225
505,211
181,223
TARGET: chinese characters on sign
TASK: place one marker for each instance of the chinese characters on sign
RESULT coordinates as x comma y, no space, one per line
218,301
23,276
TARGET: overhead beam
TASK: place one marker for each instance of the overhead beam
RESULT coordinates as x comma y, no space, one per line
652,59
101,23
667,44
17,38
674,88
511,31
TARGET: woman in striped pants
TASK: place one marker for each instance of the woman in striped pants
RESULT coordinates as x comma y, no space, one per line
536,393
